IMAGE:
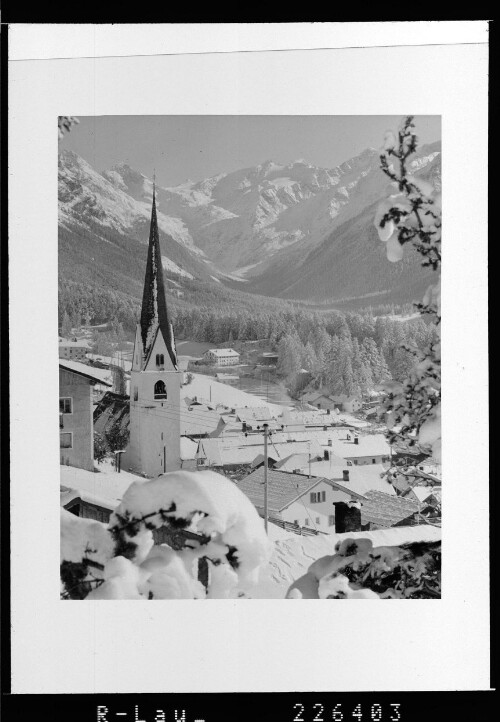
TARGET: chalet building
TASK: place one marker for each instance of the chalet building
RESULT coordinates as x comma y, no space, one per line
74,350
269,359
222,356
76,429
155,379
326,505
348,404
296,498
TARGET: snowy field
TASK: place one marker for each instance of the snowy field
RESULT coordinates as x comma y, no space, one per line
206,388
293,554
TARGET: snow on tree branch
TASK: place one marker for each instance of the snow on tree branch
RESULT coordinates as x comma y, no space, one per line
207,521
413,214
65,123
358,570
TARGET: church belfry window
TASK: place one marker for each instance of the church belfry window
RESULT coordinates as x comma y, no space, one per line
160,359
160,390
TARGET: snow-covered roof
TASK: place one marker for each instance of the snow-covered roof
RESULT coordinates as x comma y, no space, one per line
362,479
188,448
81,343
198,420
384,510
423,492
223,352
100,376
252,413
105,489
368,445
283,488
228,451
308,418
294,461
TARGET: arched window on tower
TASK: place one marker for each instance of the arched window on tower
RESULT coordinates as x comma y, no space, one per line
160,390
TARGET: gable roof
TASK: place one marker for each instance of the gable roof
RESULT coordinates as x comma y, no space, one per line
384,510
253,413
88,372
283,488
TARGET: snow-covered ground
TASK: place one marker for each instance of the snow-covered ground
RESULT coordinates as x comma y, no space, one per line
206,388
293,554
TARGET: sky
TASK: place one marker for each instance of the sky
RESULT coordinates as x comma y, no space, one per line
194,147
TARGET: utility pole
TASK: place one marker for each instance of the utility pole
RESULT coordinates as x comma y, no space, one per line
266,510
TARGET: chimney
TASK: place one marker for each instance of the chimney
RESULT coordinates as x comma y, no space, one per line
328,412
356,440
244,426
347,516
345,475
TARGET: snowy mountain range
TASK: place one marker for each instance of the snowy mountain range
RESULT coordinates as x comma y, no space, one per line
295,230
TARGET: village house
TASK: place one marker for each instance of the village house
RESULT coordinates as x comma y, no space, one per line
296,498
325,504
269,359
76,428
349,404
75,350
222,356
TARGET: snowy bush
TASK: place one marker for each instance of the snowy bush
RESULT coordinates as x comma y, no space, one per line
210,527
65,123
360,571
413,214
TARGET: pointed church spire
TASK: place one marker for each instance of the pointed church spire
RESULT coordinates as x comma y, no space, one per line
154,314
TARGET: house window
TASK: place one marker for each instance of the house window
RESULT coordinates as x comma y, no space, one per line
322,495
313,497
160,359
373,461
160,390
296,522
66,440
136,393
331,520
66,405
355,462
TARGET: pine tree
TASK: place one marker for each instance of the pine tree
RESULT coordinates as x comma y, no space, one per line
66,325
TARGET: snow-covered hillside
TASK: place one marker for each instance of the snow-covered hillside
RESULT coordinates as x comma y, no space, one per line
259,225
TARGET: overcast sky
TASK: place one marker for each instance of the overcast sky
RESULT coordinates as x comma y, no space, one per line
198,146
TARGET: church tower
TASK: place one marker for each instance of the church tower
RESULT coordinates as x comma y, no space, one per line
155,381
